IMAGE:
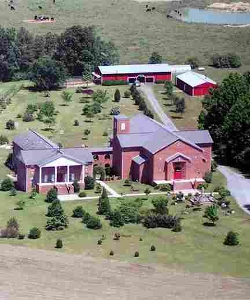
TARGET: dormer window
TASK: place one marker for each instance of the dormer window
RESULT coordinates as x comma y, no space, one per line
123,126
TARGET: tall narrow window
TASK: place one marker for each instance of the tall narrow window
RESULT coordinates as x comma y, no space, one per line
123,126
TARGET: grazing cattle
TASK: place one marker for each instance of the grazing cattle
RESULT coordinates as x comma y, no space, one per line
148,9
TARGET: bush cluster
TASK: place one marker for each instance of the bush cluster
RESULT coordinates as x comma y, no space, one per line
58,220
34,233
51,195
230,60
7,184
3,140
158,220
114,82
89,183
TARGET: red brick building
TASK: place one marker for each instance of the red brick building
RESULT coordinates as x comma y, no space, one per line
146,151
141,149
194,84
143,73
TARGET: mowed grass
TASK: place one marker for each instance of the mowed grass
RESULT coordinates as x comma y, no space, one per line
138,187
197,248
64,131
136,32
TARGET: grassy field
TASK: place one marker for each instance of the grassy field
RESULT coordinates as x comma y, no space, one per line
136,32
64,131
119,187
197,248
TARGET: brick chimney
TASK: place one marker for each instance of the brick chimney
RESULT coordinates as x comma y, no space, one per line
121,125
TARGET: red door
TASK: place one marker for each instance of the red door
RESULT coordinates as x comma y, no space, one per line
177,171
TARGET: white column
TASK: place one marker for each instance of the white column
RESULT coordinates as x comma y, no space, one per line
40,174
55,174
67,173
82,174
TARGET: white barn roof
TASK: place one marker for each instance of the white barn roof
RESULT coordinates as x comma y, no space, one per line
130,69
194,79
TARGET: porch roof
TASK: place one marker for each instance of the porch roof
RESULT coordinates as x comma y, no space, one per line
45,156
170,158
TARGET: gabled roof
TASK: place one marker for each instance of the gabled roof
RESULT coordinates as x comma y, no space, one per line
178,154
196,136
34,140
130,69
194,79
44,156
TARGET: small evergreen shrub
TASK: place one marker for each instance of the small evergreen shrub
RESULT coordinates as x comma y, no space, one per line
76,186
136,254
55,209
10,125
59,244
7,185
3,140
94,223
21,236
19,116
160,205
13,192
57,223
147,191
76,123
20,205
33,194
208,177
104,207
177,227
232,239
78,212
89,183
28,117
117,95
82,194
99,242
159,220
98,189
127,182
51,195
86,217
34,233
105,133
152,248
116,219
11,230
117,236
214,166
140,239
111,253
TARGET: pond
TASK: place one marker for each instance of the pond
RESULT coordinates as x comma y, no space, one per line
214,16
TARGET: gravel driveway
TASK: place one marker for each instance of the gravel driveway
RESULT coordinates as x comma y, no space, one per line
148,91
239,187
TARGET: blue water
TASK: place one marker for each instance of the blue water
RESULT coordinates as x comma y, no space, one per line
215,16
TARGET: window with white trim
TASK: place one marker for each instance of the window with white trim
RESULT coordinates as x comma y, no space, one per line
123,126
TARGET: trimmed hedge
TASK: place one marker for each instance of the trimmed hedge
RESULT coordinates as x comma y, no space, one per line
114,82
160,81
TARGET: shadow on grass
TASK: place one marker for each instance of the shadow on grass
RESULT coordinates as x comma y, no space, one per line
35,89
167,104
47,129
209,224
176,117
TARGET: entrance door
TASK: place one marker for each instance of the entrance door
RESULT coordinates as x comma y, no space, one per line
177,171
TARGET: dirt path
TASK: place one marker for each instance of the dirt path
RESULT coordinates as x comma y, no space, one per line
148,91
239,187
26,274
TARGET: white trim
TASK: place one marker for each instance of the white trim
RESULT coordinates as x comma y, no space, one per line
68,173
40,174
61,162
192,180
55,174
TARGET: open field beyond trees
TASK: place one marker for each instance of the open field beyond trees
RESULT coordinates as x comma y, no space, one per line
197,248
134,31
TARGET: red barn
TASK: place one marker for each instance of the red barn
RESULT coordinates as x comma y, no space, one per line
143,73
194,84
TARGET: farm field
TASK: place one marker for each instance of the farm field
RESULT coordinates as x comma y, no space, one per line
197,248
64,131
134,31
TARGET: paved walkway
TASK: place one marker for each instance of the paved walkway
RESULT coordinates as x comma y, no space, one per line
148,91
108,188
239,186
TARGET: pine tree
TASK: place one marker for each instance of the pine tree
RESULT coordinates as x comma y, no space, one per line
117,96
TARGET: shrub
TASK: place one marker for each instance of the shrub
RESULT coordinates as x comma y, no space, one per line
51,195
86,217
116,219
57,223
158,220
20,204
13,192
149,113
147,191
21,236
79,89
231,239
231,60
11,230
111,253
208,177
3,140
89,183
127,94
211,213
76,123
82,194
28,117
136,254
78,212
34,233
59,244
160,205
159,81
115,111
117,96
99,170
142,105
10,125
117,236
99,242
177,227
7,184
76,186
193,62
129,210
33,194
202,186
152,248
55,209
94,223
98,189
214,166
105,133
164,187
19,116
104,206
127,182
114,82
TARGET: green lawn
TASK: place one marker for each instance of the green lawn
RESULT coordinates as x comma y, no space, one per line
64,131
197,248
135,32
119,187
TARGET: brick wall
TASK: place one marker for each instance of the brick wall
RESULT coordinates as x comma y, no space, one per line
127,155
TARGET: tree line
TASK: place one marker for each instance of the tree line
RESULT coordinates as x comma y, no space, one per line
74,52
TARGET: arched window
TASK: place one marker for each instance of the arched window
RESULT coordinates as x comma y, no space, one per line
107,156
96,157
